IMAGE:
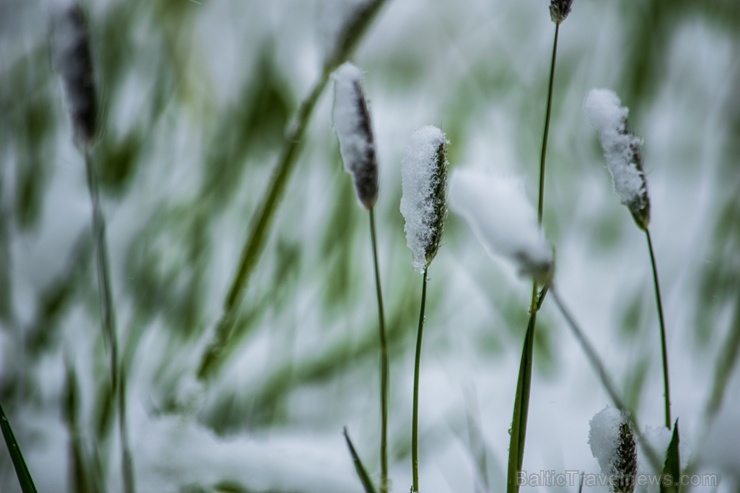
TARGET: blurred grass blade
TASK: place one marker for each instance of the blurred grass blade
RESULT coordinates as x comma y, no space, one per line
361,471
24,476
724,370
521,409
672,468
262,220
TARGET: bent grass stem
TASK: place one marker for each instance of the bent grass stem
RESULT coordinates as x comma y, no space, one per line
598,366
108,316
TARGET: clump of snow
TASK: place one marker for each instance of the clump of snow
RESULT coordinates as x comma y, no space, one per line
621,150
354,131
423,176
502,219
603,436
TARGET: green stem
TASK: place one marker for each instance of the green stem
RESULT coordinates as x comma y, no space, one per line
546,131
591,355
267,207
664,351
384,366
521,401
21,470
109,316
359,467
417,365
101,256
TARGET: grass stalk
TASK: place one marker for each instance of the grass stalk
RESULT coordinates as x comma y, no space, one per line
520,416
21,470
262,220
359,467
588,349
108,315
521,400
546,130
103,268
663,349
417,366
384,365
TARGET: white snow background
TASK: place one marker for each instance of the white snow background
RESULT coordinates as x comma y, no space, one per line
272,419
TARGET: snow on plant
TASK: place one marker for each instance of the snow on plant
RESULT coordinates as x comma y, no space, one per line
424,178
621,150
355,134
613,445
502,219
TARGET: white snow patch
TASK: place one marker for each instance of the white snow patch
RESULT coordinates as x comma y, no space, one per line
420,176
604,108
603,437
352,124
502,218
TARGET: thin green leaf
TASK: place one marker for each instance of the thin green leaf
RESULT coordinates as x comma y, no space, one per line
24,476
521,410
672,468
361,471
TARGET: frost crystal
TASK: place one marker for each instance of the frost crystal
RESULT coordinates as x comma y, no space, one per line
613,445
354,131
503,220
424,176
71,49
621,150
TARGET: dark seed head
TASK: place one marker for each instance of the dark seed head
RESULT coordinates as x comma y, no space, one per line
72,59
624,467
354,131
559,10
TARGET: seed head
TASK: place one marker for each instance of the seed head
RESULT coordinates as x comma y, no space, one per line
72,59
559,10
613,445
621,150
354,131
424,183
624,467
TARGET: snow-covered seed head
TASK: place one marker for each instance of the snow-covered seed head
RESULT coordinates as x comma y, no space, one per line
355,134
423,205
559,10
72,59
502,218
613,445
621,150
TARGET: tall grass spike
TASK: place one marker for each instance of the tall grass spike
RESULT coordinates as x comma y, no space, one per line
355,134
621,150
424,183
